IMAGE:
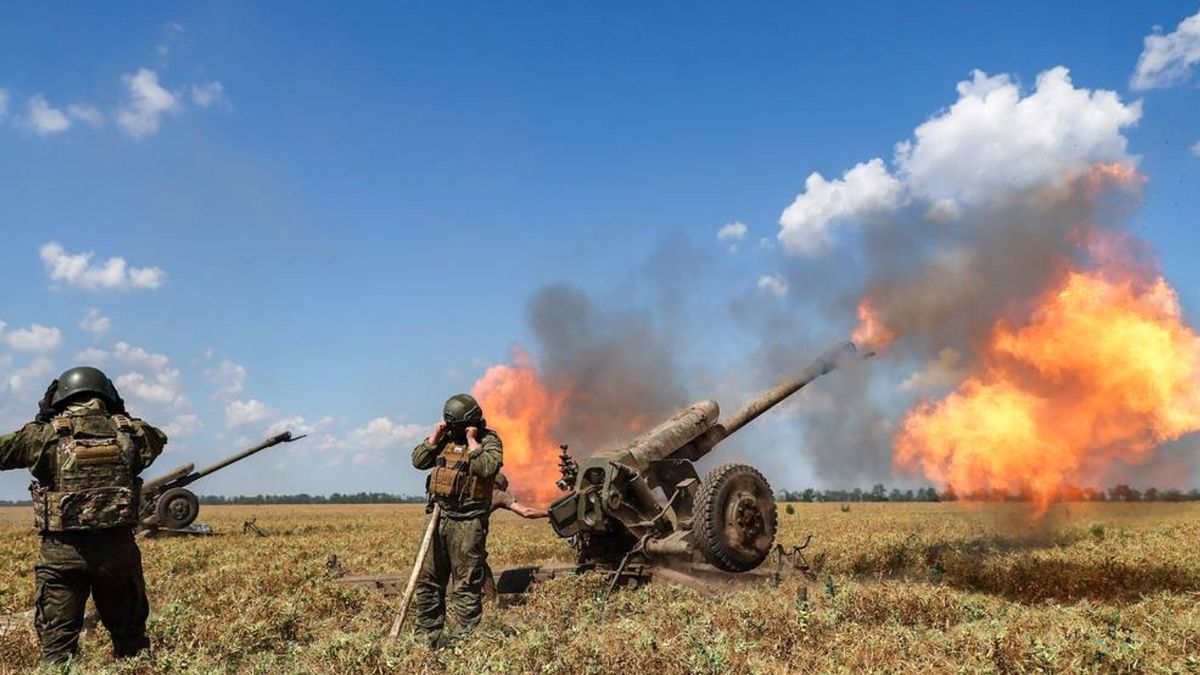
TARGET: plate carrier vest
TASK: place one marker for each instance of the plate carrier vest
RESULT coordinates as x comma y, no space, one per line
452,477
95,486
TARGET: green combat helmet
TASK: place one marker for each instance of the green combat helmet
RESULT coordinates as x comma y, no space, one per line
462,410
85,380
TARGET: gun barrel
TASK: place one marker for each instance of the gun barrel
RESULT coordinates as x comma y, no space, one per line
680,429
270,442
175,474
758,405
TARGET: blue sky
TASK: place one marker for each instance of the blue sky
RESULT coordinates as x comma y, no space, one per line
349,208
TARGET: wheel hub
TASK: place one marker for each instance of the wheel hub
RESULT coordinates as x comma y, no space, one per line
748,519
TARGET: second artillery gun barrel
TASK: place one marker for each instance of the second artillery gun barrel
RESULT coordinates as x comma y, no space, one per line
166,501
285,437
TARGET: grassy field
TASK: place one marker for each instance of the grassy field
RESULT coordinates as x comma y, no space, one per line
899,588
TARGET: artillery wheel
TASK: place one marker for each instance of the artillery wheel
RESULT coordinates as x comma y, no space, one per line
735,518
177,508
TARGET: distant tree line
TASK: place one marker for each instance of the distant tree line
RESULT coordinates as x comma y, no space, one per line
304,498
880,493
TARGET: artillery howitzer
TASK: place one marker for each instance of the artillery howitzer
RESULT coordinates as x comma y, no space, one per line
168,504
643,510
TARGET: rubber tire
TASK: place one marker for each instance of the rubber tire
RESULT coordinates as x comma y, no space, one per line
168,519
715,492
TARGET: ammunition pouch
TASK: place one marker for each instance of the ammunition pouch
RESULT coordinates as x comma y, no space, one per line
88,509
455,483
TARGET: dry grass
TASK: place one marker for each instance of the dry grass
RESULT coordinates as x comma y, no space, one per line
900,588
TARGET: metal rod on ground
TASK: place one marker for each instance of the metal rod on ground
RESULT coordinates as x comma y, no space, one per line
412,579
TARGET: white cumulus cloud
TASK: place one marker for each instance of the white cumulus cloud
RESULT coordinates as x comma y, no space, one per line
774,285
205,95
95,324
367,459
78,271
182,426
3,103
28,383
382,432
1196,149
229,377
1168,59
239,413
45,119
152,382
993,142
88,114
36,338
137,357
162,388
299,425
806,226
148,102
733,233
91,356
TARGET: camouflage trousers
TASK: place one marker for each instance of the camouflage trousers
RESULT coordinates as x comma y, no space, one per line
456,566
105,564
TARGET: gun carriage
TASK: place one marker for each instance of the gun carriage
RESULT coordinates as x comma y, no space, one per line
168,504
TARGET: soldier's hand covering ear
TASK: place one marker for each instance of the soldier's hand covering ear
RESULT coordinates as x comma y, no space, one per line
45,410
438,430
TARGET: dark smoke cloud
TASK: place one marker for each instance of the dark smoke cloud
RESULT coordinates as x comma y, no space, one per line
841,426
618,357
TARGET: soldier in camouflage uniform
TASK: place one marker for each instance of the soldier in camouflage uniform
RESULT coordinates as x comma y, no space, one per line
465,457
86,454
503,499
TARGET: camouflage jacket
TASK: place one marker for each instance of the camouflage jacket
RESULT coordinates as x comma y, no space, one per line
502,499
33,446
485,462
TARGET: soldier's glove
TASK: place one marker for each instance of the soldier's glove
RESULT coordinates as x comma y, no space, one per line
45,410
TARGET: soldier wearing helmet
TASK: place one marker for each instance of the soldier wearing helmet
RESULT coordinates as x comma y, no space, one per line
465,457
85,453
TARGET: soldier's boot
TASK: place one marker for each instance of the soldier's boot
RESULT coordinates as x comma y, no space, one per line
467,541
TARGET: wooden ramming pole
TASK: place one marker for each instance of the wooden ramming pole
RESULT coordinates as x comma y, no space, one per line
412,579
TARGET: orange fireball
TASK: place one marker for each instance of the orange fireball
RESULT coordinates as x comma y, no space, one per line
871,333
1103,371
523,412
